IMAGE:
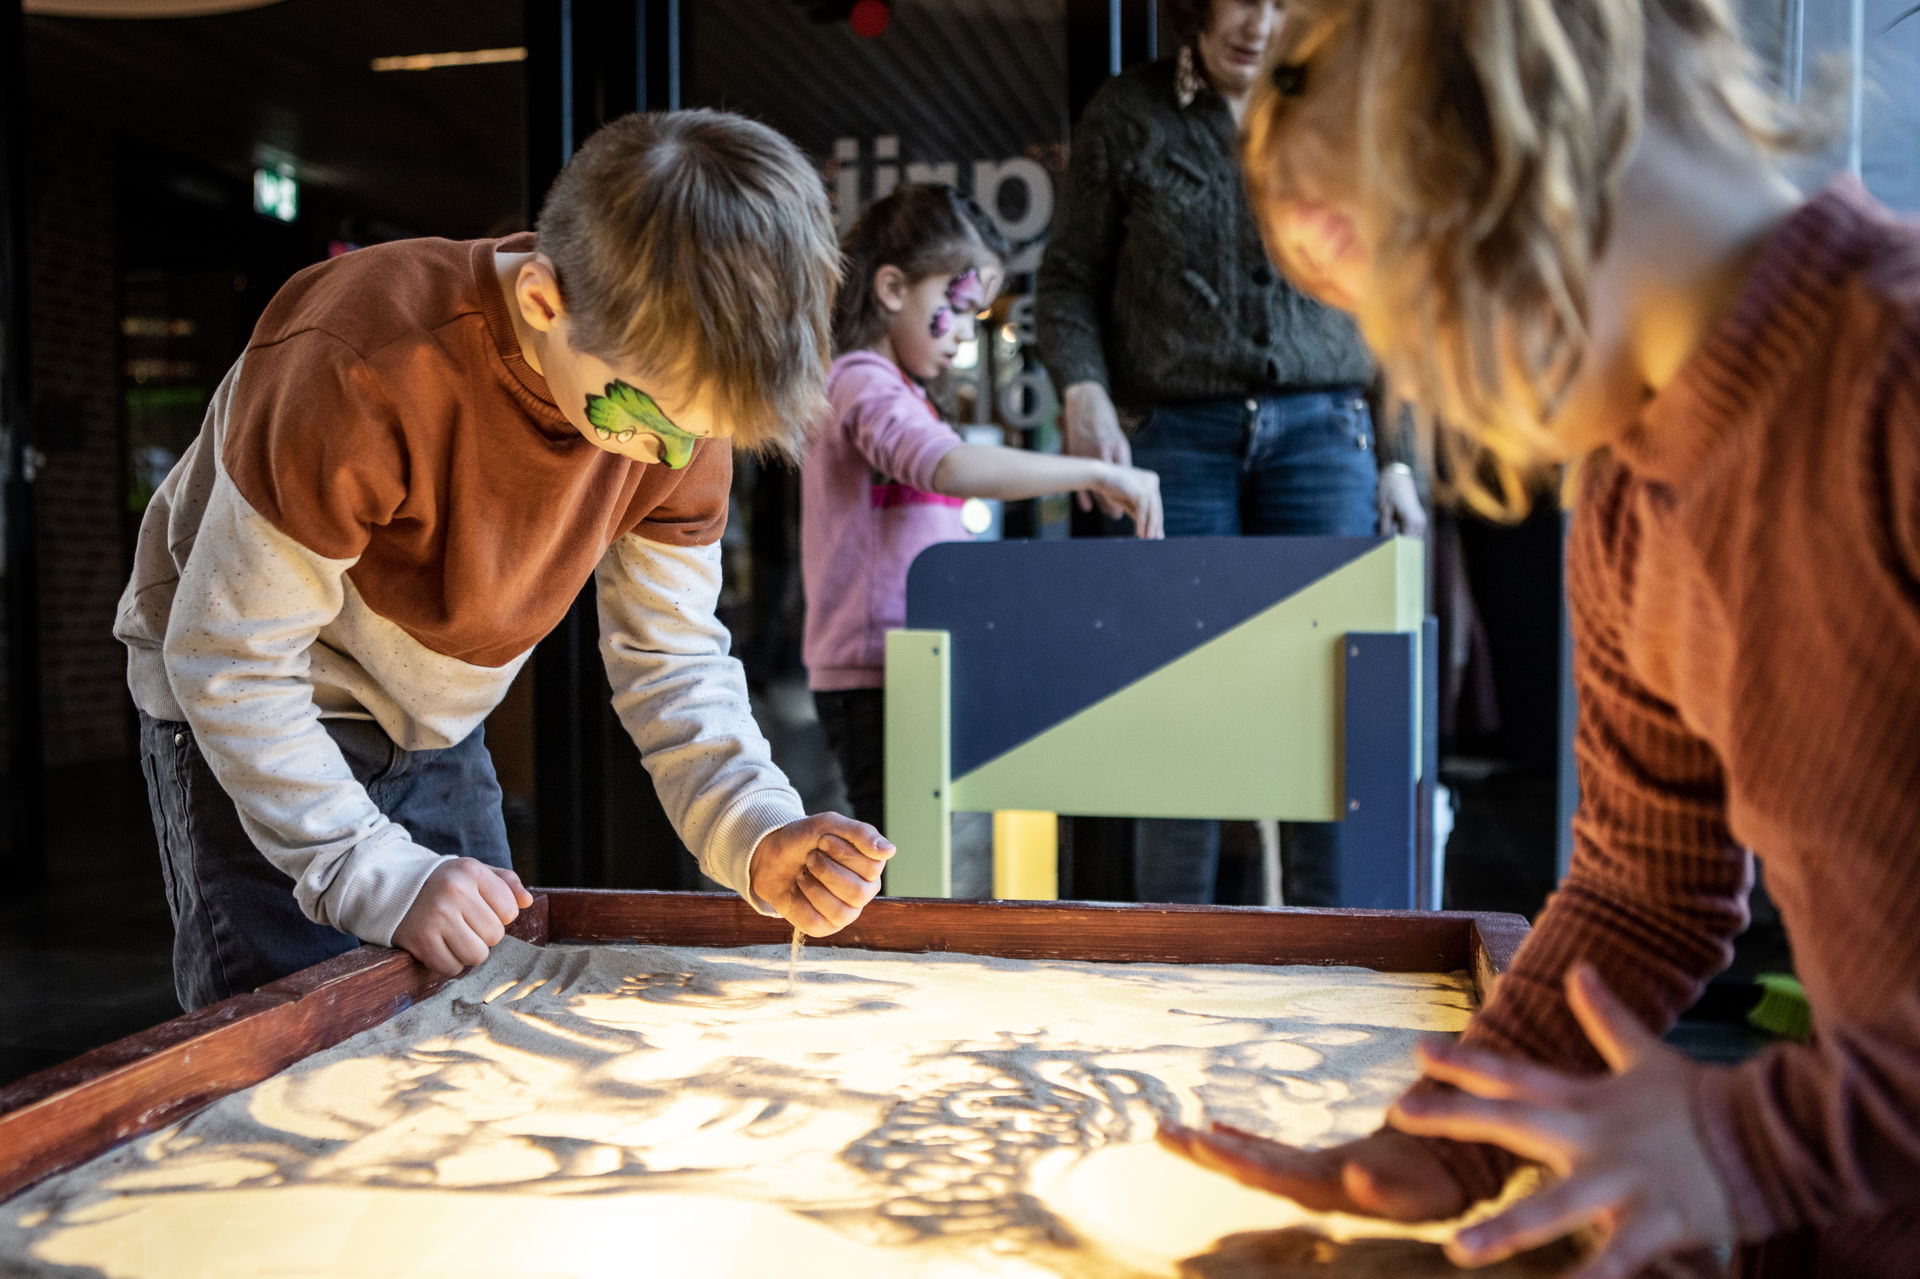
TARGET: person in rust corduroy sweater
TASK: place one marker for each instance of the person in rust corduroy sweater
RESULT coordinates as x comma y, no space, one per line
1586,251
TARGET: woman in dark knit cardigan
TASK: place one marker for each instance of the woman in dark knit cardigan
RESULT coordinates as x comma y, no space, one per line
1565,231
1156,304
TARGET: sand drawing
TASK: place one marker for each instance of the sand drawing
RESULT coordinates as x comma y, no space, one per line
633,1110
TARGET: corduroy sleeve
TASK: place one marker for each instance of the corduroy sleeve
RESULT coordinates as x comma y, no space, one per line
1657,889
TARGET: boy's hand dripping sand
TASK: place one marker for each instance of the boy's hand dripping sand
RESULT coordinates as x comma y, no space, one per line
820,872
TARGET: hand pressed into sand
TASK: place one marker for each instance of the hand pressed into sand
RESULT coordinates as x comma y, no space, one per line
820,872
462,911
1386,1174
1624,1145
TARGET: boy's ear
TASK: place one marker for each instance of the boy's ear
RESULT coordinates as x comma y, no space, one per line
890,286
537,290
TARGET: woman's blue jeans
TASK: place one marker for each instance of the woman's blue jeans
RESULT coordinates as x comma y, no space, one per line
1276,465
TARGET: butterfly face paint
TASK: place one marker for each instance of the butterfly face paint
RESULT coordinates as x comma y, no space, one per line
626,409
965,294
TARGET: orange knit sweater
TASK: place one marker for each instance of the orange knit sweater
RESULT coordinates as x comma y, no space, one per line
1744,578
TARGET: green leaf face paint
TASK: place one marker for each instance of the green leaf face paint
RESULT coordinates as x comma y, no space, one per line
625,409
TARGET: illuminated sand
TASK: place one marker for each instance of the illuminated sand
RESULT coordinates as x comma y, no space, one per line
589,1111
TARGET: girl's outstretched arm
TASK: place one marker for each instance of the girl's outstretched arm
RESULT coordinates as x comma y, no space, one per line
1010,475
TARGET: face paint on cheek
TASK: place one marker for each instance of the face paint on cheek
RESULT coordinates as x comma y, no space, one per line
625,409
965,292
942,322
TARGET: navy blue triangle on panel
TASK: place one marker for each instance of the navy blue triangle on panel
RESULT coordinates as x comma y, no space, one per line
1043,630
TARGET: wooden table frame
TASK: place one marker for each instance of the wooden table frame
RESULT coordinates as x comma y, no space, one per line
68,1114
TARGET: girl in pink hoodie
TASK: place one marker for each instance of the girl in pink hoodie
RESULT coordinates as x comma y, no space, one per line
884,475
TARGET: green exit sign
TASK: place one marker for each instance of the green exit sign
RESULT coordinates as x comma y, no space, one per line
276,194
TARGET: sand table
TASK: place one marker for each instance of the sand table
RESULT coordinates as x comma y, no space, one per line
602,1111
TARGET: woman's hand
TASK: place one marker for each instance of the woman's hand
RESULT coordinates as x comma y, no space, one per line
1629,1158
1090,427
820,872
1398,500
1130,491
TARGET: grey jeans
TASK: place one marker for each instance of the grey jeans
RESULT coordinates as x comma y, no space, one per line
236,925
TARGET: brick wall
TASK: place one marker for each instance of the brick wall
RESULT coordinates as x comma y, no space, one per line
74,282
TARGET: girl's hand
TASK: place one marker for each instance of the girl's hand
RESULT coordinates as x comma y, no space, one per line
1130,491
1624,1145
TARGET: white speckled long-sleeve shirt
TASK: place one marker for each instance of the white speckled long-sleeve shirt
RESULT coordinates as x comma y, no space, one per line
381,516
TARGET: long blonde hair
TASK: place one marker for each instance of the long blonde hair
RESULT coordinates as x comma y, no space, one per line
1480,144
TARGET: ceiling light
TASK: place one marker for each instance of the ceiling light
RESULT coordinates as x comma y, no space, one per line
434,61
139,8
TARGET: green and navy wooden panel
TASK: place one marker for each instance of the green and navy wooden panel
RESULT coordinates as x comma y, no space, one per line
1195,677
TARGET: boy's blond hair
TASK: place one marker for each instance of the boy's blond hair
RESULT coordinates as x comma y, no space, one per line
699,245
1481,144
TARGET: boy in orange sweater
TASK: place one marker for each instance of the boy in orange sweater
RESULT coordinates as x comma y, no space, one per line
424,453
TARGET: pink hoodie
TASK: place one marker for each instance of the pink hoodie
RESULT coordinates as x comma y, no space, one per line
866,510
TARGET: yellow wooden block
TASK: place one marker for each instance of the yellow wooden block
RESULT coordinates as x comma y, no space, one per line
1026,855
